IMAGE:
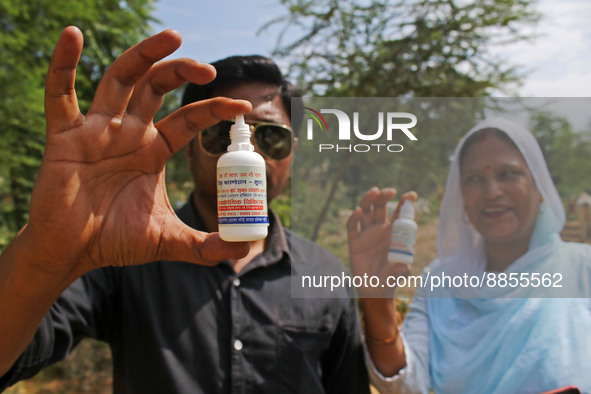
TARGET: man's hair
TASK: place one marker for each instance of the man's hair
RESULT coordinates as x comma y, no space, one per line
234,70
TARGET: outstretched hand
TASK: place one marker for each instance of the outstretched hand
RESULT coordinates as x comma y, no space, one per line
100,196
369,230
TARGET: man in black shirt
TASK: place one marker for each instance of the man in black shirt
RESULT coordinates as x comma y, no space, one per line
175,326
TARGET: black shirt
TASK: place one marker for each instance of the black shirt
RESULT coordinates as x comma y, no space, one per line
176,327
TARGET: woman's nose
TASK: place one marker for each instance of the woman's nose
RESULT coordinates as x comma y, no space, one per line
493,188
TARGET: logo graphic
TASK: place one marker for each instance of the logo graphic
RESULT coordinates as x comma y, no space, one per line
390,124
317,117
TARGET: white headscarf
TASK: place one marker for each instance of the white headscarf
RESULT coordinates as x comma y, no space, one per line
456,237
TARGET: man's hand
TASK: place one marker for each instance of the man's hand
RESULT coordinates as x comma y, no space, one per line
100,196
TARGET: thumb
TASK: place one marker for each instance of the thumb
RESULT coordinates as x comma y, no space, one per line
190,245
214,249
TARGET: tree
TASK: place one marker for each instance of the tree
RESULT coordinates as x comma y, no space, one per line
566,151
408,48
28,32
384,48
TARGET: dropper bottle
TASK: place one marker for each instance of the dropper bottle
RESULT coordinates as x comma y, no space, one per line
404,234
241,188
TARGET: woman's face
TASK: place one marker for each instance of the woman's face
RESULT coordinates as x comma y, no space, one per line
500,196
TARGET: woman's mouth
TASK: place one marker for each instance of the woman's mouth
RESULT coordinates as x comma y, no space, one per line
495,212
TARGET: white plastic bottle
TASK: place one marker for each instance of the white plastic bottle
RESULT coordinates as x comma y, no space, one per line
241,189
404,235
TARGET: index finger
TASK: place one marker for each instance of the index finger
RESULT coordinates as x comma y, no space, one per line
115,88
379,211
366,204
353,223
182,125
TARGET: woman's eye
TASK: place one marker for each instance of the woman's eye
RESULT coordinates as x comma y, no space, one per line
508,174
471,179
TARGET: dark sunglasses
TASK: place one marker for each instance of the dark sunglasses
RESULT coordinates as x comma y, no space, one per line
273,139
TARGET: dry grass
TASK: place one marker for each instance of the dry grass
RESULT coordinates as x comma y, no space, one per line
87,370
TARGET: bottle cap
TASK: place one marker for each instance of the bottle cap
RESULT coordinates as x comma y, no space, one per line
239,126
240,135
408,210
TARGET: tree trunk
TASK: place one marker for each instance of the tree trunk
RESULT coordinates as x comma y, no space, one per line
333,189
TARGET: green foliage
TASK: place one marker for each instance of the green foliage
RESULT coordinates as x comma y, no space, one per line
567,153
28,33
281,205
384,48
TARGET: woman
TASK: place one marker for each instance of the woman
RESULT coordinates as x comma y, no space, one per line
500,214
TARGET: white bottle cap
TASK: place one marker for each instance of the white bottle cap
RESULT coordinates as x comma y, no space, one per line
239,126
408,210
240,135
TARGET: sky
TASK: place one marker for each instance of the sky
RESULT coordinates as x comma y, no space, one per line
556,64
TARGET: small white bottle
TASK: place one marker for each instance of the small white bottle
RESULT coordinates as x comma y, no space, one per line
241,189
404,235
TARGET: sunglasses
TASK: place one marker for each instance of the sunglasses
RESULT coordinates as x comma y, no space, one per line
274,140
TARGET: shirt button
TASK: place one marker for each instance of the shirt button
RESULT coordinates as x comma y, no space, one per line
238,345
236,282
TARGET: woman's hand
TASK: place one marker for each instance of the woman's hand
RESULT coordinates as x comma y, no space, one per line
369,240
369,231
